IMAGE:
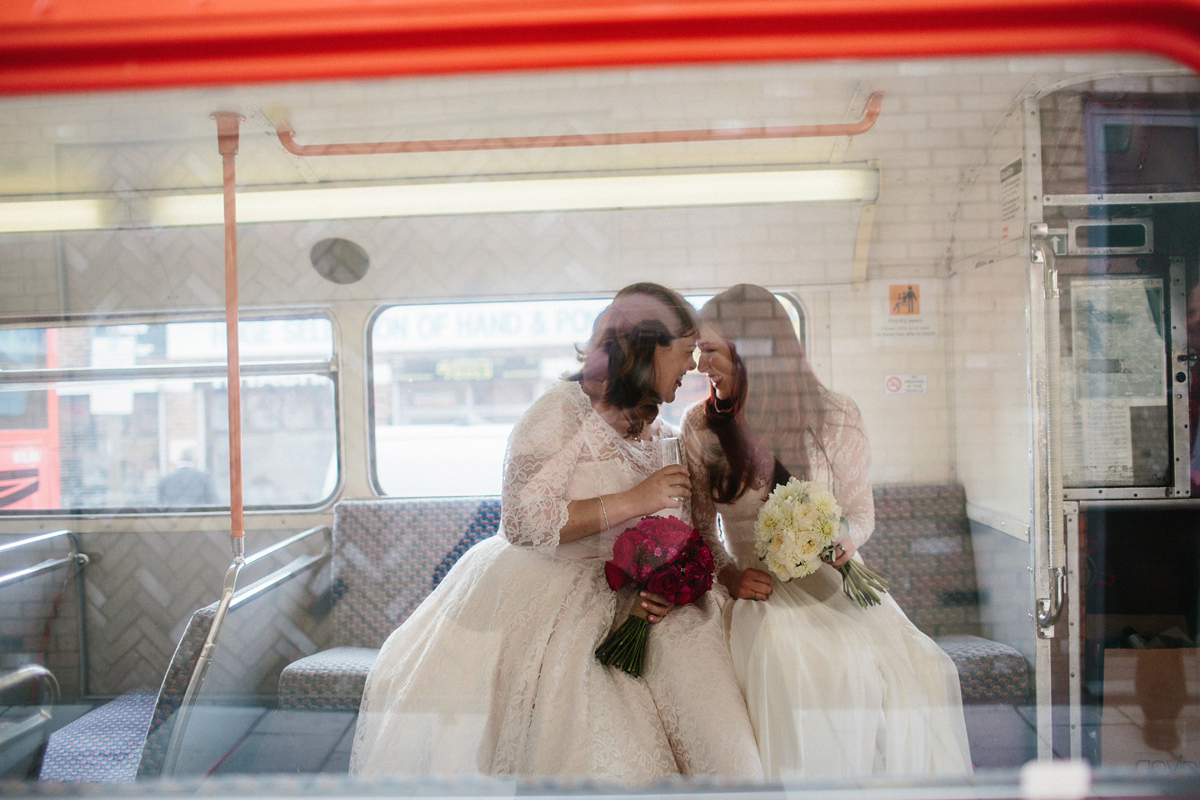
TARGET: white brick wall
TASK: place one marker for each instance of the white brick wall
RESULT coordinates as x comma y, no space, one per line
944,128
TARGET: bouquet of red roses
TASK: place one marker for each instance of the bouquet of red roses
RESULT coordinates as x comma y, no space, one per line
665,556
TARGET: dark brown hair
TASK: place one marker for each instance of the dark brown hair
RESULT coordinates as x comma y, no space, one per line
777,400
620,353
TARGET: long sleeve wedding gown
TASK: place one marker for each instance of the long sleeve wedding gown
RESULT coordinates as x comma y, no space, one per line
833,689
494,673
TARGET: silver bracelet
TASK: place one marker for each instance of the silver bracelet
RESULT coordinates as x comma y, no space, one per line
602,511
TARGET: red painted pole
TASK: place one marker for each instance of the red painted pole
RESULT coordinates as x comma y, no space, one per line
287,137
228,124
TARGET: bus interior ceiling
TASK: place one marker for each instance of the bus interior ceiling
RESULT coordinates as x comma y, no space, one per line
389,353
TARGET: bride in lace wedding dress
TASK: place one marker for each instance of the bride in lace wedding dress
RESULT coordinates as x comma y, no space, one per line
495,672
833,689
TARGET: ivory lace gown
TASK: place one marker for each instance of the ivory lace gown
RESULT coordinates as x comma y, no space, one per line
833,689
495,672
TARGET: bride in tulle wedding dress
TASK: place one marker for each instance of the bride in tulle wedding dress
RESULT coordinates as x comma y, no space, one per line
495,672
833,689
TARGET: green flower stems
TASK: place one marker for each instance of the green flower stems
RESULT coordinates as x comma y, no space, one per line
862,584
625,648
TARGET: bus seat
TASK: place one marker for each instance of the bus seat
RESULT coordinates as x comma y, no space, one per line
988,671
331,680
174,686
922,540
387,556
103,745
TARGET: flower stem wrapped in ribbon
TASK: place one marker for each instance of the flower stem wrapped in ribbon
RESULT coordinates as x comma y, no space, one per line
665,556
797,528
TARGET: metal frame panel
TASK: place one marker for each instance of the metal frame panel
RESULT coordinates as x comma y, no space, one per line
1181,486
1039,410
1158,198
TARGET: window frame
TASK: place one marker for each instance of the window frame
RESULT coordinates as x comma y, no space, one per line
788,297
48,377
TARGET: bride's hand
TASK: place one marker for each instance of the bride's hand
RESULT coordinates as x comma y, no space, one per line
750,584
843,548
657,605
664,489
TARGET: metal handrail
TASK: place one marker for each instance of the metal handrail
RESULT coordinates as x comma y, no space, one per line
10,731
266,551
150,371
27,673
41,537
79,560
37,569
1050,608
231,599
282,575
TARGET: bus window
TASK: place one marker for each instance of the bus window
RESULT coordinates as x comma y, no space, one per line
450,380
133,416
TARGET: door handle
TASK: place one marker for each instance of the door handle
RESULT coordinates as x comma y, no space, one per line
1049,609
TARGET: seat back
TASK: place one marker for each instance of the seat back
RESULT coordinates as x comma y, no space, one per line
922,540
390,554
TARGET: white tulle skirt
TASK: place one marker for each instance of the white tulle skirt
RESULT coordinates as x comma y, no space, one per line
835,690
495,674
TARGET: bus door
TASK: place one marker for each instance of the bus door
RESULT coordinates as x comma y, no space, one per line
1115,240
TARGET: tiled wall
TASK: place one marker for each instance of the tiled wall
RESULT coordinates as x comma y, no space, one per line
141,589
945,130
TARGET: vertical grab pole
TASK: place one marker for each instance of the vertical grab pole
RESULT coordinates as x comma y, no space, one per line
228,123
1049,608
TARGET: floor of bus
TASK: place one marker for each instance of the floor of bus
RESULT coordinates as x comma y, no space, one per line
276,741
21,757
254,740
228,740
266,741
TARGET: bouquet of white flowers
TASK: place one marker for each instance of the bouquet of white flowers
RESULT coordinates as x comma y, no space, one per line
797,527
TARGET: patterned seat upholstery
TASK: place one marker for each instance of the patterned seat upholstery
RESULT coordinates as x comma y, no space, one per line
388,555
988,672
923,541
331,680
102,746
171,693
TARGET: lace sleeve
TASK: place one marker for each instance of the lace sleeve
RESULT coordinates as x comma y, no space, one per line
849,455
692,436
542,452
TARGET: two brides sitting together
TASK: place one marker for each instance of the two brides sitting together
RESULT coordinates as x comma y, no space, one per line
496,673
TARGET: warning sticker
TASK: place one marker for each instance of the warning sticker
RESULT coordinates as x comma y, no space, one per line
906,383
904,299
904,313
1012,194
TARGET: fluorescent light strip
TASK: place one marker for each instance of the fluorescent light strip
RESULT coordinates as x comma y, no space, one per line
37,216
515,197
848,184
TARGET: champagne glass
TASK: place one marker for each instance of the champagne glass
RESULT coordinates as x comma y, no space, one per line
668,451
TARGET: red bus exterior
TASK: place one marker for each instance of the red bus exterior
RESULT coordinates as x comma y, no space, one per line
30,469
66,45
